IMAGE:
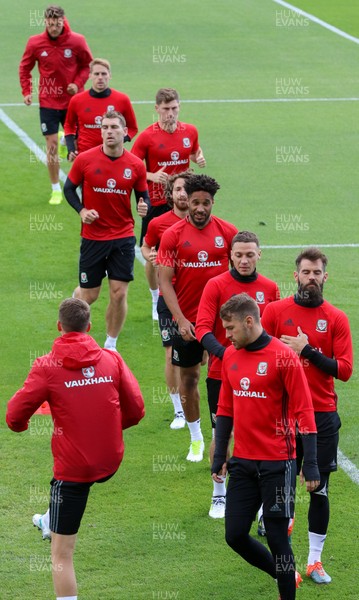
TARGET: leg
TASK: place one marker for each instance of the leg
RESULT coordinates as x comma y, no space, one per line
53,165
63,573
318,521
189,392
152,278
89,295
278,542
172,373
117,308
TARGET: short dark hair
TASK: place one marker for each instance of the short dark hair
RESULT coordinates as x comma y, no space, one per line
114,114
199,183
311,254
240,306
166,95
53,11
171,181
245,237
74,315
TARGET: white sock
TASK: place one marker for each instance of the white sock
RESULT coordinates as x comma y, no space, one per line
66,598
110,342
177,404
195,430
219,489
213,433
316,543
46,518
260,512
56,187
155,294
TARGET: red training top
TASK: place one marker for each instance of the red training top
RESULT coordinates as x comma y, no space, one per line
265,392
328,331
85,112
159,148
106,187
92,395
60,62
216,292
196,255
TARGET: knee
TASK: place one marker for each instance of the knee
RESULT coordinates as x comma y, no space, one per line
190,380
235,539
118,295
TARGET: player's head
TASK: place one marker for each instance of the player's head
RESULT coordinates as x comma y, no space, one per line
241,320
201,190
310,275
175,189
54,20
113,128
74,315
167,107
245,252
100,74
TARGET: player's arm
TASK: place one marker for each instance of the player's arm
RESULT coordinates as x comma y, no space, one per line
70,130
185,327
198,158
72,197
28,399
131,121
224,426
143,202
130,396
27,64
206,318
149,253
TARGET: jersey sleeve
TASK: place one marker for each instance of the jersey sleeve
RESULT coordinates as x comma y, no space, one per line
152,238
343,347
195,144
130,117
83,63
70,127
76,172
141,181
268,319
28,399
27,64
225,400
208,310
296,384
166,255
131,399
139,148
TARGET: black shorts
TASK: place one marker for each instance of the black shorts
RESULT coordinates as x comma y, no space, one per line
253,482
153,211
114,258
166,323
68,501
50,119
213,389
328,425
186,354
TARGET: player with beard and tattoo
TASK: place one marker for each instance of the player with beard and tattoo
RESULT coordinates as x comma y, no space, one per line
320,334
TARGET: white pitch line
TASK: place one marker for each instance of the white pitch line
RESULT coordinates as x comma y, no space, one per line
225,101
344,462
324,24
348,467
283,247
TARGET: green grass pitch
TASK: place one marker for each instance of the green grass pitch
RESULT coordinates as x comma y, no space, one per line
285,150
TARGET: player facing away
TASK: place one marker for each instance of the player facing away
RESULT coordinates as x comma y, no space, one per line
107,174
93,397
84,115
320,335
177,200
190,253
264,393
242,277
167,147
63,58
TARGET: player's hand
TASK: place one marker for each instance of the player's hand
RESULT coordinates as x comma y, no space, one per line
160,176
28,99
296,343
142,208
310,485
72,155
186,330
200,160
88,216
218,477
72,89
153,256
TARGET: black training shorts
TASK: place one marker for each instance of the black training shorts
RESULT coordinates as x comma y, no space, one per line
50,119
114,258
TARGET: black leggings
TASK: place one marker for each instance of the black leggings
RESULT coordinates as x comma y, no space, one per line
318,514
278,563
